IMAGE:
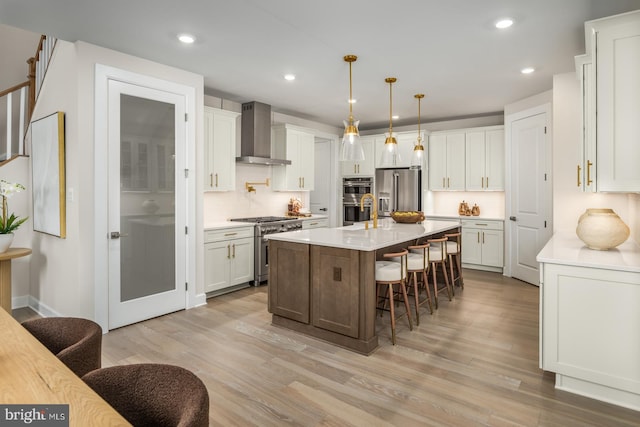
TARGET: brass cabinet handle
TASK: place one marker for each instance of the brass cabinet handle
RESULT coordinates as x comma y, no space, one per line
358,168
579,168
210,180
234,250
230,234
483,237
448,183
478,237
216,180
482,182
444,185
355,168
228,251
589,164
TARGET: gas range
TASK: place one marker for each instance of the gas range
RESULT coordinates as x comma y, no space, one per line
265,225
272,224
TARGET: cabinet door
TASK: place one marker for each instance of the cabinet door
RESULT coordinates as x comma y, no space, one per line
471,246
618,106
455,161
492,248
216,265
289,283
365,167
494,160
306,160
335,287
220,149
475,165
241,270
437,162
586,169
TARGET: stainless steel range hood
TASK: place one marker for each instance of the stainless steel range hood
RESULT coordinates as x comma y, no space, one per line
255,140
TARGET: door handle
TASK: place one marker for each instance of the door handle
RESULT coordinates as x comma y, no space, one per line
323,209
512,218
117,235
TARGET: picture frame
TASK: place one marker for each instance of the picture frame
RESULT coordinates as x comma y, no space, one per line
48,175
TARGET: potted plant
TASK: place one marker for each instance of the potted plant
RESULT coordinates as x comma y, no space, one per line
8,223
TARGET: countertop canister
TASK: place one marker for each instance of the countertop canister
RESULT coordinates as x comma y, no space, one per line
601,229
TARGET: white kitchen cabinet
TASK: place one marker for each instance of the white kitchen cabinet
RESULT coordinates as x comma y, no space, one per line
365,167
483,244
228,257
406,141
315,223
484,154
295,144
589,305
613,44
219,149
586,174
447,161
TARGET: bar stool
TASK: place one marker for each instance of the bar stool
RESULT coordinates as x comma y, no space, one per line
388,274
454,253
418,262
438,256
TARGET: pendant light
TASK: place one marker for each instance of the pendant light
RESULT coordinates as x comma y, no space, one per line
417,157
351,145
390,155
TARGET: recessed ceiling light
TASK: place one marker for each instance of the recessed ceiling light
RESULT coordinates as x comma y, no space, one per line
504,23
186,38
353,101
527,70
395,117
289,77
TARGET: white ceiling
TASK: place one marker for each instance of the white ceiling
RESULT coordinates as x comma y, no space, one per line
447,49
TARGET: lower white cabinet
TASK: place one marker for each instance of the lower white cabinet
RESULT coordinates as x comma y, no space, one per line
589,327
228,257
483,244
315,223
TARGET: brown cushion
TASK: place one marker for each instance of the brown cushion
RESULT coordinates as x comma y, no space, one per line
150,394
75,341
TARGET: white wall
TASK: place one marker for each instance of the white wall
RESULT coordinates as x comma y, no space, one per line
568,200
15,54
62,270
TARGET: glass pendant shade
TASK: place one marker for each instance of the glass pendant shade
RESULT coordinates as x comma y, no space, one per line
390,155
418,155
351,150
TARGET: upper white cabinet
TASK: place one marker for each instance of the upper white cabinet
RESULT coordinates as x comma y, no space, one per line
447,161
406,141
365,167
219,149
613,44
586,168
295,144
484,154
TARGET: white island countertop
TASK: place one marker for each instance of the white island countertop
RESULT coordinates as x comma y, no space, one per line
567,249
356,237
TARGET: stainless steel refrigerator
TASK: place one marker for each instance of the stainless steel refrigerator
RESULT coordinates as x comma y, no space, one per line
398,190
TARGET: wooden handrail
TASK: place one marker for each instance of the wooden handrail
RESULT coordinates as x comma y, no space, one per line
14,88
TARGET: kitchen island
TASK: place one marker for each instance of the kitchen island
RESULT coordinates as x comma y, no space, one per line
322,281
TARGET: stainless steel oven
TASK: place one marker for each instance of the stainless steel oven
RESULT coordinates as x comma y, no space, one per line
352,191
266,225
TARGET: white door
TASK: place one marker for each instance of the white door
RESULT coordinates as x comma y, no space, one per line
530,210
147,261
320,197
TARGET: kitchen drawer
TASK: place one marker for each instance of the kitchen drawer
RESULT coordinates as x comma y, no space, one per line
484,224
315,223
228,234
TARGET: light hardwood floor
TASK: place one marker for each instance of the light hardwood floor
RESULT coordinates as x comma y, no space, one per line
473,362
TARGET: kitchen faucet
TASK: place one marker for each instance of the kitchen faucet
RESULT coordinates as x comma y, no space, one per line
374,204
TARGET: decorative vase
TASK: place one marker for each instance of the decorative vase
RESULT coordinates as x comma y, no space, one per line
5,242
150,206
601,229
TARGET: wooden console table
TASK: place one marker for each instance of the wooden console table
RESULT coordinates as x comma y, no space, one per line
5,274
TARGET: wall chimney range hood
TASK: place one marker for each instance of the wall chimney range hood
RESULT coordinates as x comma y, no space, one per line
255,139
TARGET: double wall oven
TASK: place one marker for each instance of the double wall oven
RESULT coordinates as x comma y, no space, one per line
352,191
264,226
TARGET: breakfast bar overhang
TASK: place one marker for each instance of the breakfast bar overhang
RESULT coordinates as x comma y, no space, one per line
322,280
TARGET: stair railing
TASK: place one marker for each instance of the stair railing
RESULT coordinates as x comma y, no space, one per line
18,113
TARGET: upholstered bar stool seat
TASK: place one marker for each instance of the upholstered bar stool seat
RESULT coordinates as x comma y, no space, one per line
75,341
391,274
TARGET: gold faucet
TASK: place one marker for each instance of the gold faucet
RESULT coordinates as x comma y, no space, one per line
374,204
